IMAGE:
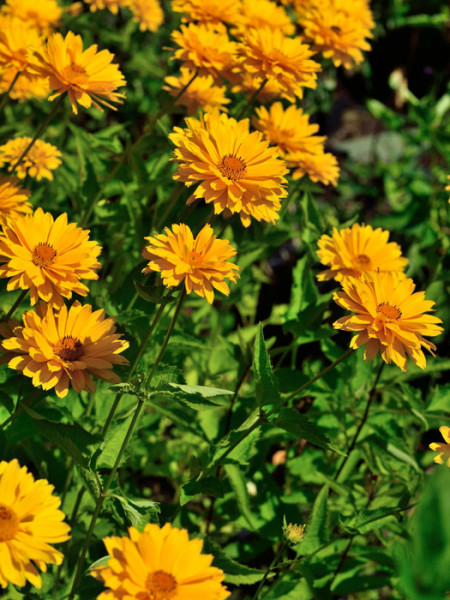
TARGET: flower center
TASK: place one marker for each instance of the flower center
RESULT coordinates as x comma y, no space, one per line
161,585
194,258
75,73
68,348
388,311
9,523
232,168
43,255
362,260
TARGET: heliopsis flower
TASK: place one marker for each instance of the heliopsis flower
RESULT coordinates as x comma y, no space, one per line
200,262
209,11
89,77
236,170
7,331
204,47
268,54
24,88
318,166
389,317
58,349
202,93
42,14
262,13
148,13
30,522
244,83
13,199
111,5
49,257
443,449
338,28
359,249
161,563
18,41
41,160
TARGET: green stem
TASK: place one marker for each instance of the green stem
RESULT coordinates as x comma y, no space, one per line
9,90
137,411
250,101
12,310
20,407
269,569
38,133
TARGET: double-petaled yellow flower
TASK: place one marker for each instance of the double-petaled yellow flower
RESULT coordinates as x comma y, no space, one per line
202,93
39,162
13,200
44,15
443,456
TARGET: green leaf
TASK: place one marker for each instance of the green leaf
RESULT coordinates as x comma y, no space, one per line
317,528
112,444
266,385
91,481
235,573
152,293
139,511
237,482
199,396
293,422
210,486
304,292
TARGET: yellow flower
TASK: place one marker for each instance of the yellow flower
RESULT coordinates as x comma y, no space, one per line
89,77
204,47
48,257
338,29
443,449
13,200
243,82
201,262
148,13
294,533
202,92
262,13
270,55
18,41
59,349
45,15
159,564
318,166
41,160
236,170
389,318
209,11
356,250
447,187
111,5
30,521
25,87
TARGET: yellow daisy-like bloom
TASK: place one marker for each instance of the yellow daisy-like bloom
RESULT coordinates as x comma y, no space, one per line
148,13
202,92
237,170
206,48
45,15
318,166
389,317
41,160
13,200
209,11
338,28
443,449
66,348
359,249
200,262
244,83
268,54
30,521
111,5
18,41
49,257
161,563
24,88
89,77
264,13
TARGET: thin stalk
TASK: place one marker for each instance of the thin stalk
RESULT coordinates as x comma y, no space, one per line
137,411
250,101
20,407
269,569
9,90
38,133
12,310
372,395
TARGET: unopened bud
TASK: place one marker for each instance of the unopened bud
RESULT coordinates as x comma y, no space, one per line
294,533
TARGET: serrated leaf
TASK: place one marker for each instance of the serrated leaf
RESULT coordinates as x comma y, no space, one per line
293,422
199,396
317,527
304,293
235,573
265,383
90,481
139,511
210,486
151,293
237,482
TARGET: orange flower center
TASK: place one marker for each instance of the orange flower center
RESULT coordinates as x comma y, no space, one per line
9,523
388,311
75,73
232,168
43,255
68,348
363,260
194,258
161,585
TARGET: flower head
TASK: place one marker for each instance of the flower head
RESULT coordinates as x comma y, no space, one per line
111,5
59,349
44,15
161,563
13,200
25,87
148,13
201,262
318,166
30,521
18,41
263,13
209,11
202,92
238,172
294,533
49,257
388,318
443,449
359,249
268,54
89,77
41,160
204,47
338,28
